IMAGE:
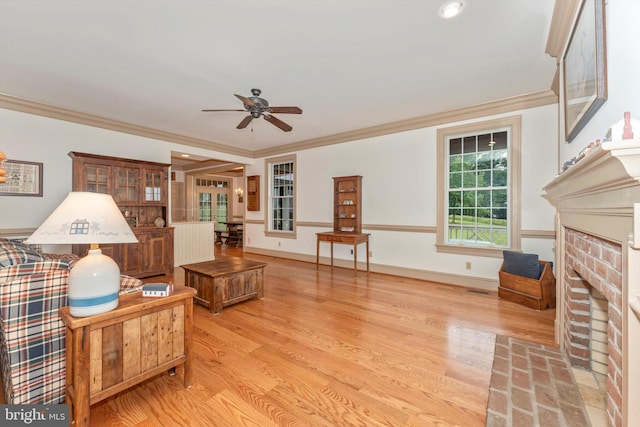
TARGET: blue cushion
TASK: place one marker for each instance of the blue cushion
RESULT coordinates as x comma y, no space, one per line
522,264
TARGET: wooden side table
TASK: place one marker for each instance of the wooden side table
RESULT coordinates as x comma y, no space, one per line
345,238
110,352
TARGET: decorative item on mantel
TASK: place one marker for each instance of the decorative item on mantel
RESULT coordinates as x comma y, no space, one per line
620,130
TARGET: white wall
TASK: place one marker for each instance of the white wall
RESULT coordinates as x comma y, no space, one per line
399,189
48,141
623,71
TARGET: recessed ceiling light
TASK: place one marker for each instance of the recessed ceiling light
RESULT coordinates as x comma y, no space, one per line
451,9
184,155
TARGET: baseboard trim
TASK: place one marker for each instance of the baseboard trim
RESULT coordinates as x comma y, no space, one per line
431,276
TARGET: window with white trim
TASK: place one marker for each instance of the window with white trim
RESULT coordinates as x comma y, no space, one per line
477,190
281,198
478,195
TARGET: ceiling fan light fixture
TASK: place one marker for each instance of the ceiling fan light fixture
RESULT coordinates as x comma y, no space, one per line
256,107
451,9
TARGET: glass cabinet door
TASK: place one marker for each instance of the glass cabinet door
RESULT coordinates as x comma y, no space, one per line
97,179
153,186
127,185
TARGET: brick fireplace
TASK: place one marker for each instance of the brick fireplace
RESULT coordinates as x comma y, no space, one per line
598,252
594,265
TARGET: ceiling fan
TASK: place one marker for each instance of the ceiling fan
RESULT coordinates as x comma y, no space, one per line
257,107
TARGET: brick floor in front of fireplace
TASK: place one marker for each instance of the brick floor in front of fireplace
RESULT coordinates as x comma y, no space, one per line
533,385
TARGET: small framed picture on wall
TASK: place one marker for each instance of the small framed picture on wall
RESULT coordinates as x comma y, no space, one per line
22,179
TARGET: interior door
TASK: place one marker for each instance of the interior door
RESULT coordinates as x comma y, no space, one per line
213,205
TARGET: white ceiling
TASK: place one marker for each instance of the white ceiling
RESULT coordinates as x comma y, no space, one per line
349,64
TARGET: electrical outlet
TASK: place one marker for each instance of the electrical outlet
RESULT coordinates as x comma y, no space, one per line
468,265
370,254
351,251
278,244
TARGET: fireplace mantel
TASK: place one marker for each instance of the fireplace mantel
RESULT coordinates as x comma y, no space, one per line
600,196
602,186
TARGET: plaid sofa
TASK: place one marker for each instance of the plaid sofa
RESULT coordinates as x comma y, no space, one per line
33,286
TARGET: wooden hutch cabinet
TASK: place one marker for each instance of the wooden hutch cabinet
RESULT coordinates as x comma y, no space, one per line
140,189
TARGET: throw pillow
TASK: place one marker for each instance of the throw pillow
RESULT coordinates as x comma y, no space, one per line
521,264
10,255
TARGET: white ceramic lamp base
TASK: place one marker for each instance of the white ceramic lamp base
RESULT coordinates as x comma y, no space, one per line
94,283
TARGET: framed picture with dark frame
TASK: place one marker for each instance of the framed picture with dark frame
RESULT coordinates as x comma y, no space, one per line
253,193
23,179
585,68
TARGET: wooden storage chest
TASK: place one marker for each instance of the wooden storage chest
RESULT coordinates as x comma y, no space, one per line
535,293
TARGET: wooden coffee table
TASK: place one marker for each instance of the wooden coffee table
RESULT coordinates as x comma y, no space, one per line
225,281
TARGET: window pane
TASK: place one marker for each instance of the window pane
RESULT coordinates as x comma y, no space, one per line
455,180
469,144
282,191
469,162
499,198
499,178
479,214
499,159
484,179
455,146
500,139
484,142
222,210
455,163
204,207
469,179
468,198
455,199
484,198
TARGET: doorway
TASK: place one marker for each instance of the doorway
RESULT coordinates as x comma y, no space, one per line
213,205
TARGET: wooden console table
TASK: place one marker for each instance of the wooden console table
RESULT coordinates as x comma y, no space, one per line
110,352
344,238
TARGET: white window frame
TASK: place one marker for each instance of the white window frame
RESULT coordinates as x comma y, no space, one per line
513,125
268,220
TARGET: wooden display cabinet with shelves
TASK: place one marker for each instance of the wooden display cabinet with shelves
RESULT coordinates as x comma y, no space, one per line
347,207
347,219
140,189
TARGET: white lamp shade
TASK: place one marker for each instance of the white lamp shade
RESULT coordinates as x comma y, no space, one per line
84,218
88,218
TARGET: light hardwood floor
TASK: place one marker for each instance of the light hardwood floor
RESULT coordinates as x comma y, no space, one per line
325,348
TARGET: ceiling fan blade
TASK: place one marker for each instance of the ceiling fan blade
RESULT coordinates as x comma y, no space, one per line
245,122
277,122
245,100
207,111
286,110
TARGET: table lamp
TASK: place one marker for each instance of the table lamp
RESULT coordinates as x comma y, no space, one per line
88,218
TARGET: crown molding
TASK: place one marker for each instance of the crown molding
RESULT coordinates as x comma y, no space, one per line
500,106
564,14
25,106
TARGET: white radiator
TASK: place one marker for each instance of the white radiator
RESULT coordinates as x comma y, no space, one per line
193,242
